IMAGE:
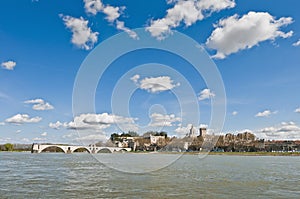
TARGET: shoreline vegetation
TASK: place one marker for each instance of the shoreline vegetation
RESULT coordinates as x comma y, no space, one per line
197,153
242,144
231,153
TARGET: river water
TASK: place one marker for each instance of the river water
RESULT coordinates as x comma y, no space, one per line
81,175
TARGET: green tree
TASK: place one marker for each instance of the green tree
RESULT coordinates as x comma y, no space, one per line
148,133
162,133
114,137
133,134
9,147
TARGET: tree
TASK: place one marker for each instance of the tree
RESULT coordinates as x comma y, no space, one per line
162,133
148,133
133,134
9,147
114,136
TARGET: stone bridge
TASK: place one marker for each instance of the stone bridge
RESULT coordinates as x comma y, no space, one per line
38,148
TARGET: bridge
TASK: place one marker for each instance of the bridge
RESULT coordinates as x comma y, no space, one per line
38,148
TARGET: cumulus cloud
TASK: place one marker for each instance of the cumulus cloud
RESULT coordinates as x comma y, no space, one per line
57,125
186,12
161,120
238,33
297,43
93,6
297,110
39,104
206,94
22,118
121,26
154,84
112,13
265,113
82,35
9,65
285,130
97,122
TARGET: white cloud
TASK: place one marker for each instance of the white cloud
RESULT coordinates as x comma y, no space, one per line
235,132
34,101
57,125
22,118
161,120
234,34
98,122
265,113
285,130
82,35
19,131
297,110
155,84
2,123
39,104
121,26
112,13
206,94
39,139
42,107
44,134
93,6
187,12
234,113
297,43
135,78
9,65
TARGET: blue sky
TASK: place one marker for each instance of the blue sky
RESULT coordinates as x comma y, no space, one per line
255,45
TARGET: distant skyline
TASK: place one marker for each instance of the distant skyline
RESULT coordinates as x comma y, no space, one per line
254,44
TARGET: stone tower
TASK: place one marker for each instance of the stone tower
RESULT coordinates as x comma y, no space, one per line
202,132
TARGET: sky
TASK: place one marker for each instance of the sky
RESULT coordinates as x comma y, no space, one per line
45,47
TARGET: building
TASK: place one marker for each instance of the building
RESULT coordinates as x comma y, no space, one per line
192,133
157,139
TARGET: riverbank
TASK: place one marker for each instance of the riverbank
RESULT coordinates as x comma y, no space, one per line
204,153
234,153
257,153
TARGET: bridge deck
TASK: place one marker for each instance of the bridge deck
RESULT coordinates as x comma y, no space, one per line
38,148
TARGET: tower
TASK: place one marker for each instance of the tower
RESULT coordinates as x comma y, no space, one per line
192,132
202,132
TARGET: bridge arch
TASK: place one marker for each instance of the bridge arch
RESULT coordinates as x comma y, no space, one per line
104,150
61,149
81,149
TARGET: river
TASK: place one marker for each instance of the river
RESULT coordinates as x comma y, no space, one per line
81,175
